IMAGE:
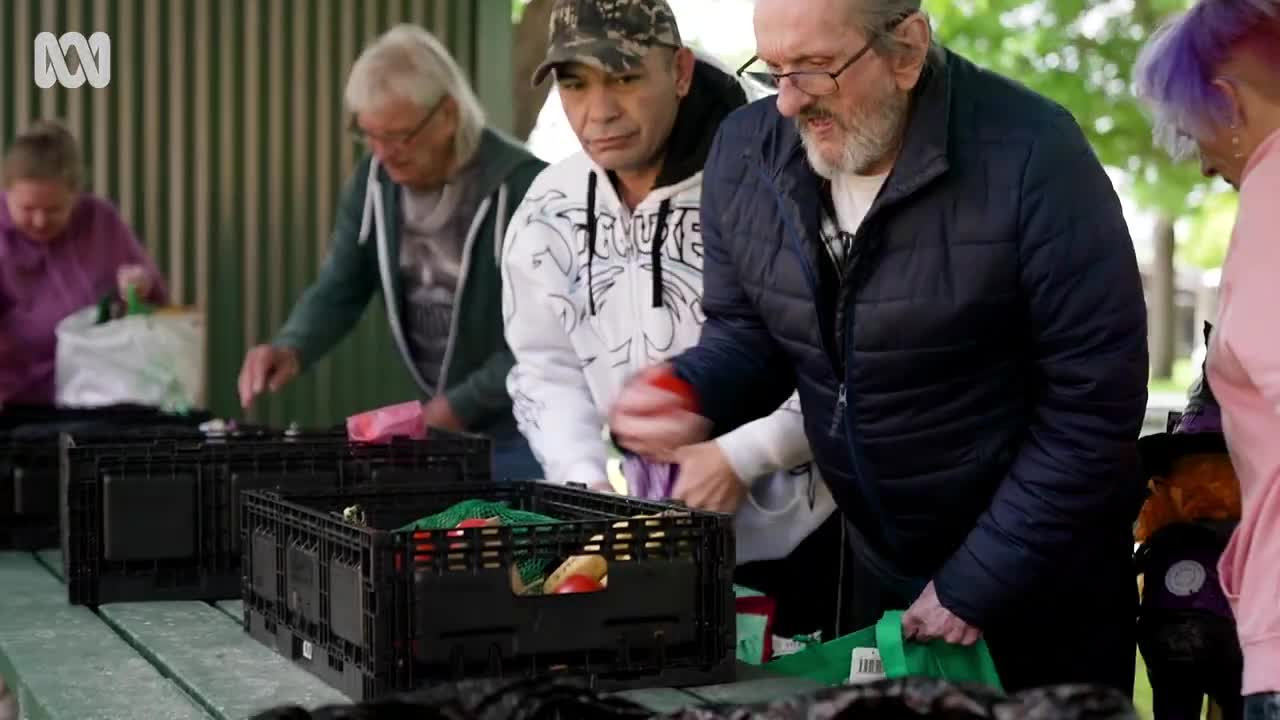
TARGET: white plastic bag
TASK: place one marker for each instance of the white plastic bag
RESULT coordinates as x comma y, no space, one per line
155,360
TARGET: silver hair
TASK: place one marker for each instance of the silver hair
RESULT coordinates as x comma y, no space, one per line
877,18
409,63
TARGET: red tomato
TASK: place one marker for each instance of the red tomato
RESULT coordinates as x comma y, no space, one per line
473,522
470,523
671,383
578,584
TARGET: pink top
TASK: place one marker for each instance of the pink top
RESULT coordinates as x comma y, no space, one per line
43,282
1244,372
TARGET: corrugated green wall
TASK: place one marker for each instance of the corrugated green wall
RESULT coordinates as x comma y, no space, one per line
222,139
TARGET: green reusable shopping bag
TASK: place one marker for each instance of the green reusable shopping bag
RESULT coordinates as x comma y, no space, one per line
835,662
828,663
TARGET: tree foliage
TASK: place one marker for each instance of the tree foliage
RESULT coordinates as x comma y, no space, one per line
1081,54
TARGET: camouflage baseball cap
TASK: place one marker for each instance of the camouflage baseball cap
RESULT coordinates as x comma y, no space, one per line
612,35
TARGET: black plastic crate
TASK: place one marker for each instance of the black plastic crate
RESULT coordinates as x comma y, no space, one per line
157,517
29,463
371,609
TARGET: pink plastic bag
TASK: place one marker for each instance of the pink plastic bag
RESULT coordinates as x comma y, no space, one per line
403,420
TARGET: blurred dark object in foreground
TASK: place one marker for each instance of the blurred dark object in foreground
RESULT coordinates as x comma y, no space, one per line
885,700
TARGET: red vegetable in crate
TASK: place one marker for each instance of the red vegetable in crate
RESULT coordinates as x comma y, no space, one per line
478,522
470,523
667,380
579,584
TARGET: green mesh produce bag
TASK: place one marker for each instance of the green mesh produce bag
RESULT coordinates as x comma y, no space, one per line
478,509
532,570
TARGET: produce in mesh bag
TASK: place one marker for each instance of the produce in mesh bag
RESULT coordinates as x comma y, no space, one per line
578,573
478,510
527,573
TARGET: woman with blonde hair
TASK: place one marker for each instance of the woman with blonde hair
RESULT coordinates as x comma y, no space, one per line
61,249
1212,78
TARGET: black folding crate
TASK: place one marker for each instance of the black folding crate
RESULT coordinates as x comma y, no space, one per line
371,610
157,518
29,462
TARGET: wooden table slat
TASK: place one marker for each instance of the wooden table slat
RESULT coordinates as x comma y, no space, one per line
202,649
52,559
66,663
233,608
661,700
211,657
756,690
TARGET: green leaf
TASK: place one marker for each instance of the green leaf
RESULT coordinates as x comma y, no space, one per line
1080,53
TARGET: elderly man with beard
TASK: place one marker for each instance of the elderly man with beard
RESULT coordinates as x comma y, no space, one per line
935,259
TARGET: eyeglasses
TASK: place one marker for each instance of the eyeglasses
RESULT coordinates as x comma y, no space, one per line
815,83
391,140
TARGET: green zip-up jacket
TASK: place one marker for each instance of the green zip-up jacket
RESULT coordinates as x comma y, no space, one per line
365,258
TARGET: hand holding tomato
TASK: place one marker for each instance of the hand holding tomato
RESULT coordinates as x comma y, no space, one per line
657,414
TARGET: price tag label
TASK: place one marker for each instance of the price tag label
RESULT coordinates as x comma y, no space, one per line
865,666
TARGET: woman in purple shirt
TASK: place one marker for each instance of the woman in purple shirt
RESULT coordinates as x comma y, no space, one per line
61,250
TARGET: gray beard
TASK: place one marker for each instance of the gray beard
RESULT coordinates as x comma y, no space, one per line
869,138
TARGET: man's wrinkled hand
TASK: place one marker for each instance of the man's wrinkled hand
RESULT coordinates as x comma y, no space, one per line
652,422
927,620
706,480
438,413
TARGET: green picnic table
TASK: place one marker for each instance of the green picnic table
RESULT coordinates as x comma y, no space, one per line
191,660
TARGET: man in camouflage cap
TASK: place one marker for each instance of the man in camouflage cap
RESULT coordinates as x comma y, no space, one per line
603,271
611,35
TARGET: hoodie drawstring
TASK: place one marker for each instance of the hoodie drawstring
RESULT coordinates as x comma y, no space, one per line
659,235
591,239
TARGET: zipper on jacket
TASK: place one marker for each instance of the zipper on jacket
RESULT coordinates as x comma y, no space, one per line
841,399
839,329
842,402
851,276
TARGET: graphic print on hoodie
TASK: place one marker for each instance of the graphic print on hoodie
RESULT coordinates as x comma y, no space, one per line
594,292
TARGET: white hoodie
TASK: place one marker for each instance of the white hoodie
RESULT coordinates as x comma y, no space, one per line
579,331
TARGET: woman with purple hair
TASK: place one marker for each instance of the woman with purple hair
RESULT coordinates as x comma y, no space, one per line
1212,79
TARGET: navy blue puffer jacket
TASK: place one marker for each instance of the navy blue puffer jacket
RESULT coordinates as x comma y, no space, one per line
974,386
